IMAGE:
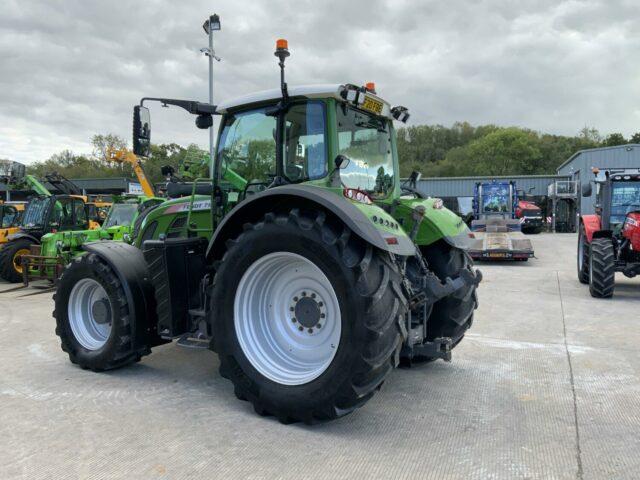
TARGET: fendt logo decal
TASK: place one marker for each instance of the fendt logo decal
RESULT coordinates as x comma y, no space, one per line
184,207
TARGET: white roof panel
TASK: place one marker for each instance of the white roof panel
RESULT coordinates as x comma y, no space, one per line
309,91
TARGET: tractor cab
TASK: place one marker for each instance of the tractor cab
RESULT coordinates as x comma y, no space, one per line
495,199
55,213
334,135
324,139
617,195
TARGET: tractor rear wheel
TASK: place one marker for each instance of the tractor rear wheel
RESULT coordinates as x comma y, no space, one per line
92,316
602,268
11,259
451,316
583,256
307,316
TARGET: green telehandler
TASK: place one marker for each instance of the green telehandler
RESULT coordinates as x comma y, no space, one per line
321,273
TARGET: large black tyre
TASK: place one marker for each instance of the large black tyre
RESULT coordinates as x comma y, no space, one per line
602,268
367,285
10,253
453,315
583,256
120,346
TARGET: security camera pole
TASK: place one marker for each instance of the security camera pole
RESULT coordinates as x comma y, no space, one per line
210,24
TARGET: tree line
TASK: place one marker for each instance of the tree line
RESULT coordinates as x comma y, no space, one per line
465,150
97,164
434,150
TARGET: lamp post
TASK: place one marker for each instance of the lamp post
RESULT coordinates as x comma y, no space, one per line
210,25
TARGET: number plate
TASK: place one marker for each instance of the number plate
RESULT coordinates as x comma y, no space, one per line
372,105
497,255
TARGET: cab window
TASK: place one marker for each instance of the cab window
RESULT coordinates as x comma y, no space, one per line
80,217
9,214
69,214
305,152
247,147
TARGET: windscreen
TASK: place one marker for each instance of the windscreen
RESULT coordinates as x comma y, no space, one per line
625,198
121,215
495,198
366,140
35,212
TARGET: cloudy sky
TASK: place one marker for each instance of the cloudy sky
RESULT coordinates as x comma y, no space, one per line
72,68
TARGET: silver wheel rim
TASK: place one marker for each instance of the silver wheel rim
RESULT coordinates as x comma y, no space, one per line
90,314
580,251
278,299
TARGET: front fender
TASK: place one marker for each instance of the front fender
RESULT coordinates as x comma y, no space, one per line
128,263
591,225
369,222
439,223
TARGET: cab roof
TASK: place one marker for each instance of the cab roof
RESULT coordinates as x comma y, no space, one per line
307,91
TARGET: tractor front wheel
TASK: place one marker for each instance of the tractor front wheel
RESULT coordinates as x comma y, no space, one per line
92,316
307,316
11,259
451,316
602,268
583,256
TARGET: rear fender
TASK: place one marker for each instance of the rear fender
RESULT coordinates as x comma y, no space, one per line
591,225
358,218
128,263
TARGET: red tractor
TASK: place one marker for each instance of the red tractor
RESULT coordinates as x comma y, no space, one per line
530,216
609,240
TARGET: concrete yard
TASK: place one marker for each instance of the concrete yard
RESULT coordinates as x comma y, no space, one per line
546,385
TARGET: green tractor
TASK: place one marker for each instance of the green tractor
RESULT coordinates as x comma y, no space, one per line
320,276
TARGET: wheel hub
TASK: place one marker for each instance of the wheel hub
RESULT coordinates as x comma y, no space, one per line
101,311
307,311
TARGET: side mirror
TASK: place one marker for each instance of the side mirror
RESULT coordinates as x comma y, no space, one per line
586,190
341,162
141,131
414,178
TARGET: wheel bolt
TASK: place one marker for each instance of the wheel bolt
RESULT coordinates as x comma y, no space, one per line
320,304
295,299
319,325
300,328
291,309
310,330
293,320
322,315
304,294
313,295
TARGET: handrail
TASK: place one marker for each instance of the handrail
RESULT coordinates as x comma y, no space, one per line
193,195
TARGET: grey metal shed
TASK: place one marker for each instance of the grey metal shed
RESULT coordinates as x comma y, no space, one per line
578,166
463,186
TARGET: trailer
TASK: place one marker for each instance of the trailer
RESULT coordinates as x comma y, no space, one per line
496,230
